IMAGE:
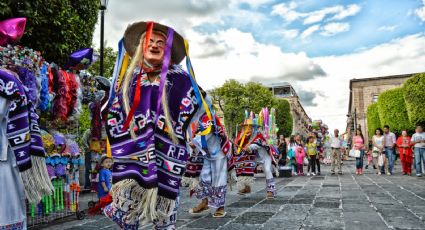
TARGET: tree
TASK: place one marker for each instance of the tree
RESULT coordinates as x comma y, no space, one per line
392,110
231,100
373,121
234,98
257,97
284,118
54,27
109,57
414,96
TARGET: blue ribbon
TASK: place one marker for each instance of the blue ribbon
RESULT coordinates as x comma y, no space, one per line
196,87
117,69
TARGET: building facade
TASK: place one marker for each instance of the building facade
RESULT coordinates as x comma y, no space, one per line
301,120
364,92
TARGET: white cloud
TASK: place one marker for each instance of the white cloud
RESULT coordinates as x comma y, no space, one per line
253,3
420,12
400,56
334,28
309,31
319,15
182,15
387,28
289,13
289,34
350,10
286,11
246,59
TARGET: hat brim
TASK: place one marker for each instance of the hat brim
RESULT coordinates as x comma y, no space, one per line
103,82
134,31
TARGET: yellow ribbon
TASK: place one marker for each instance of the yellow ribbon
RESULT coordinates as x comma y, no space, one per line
108,149
243,139
123,69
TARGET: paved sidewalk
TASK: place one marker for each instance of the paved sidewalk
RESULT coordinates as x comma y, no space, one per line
329,201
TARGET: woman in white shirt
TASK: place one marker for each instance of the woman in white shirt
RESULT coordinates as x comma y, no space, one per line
378,143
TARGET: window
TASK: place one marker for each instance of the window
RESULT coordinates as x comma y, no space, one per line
375,98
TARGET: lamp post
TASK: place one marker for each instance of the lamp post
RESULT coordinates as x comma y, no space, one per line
103,4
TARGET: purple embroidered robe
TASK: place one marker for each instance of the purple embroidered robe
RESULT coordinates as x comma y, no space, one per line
152,159
18,130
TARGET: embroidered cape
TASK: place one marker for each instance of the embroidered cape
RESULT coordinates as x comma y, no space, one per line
244,163
152,159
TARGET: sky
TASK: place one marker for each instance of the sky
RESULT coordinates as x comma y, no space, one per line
316,46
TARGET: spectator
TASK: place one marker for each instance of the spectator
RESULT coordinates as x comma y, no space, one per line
319,143
336,146
300,154
418,140
282,147
292,149
390,142
405,150
378,149
311,147
369,155
358,145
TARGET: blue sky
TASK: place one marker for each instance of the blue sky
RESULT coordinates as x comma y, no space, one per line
376,22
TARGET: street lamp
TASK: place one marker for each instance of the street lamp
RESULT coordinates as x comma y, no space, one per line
103,4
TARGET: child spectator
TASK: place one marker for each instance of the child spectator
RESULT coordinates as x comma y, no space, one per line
105,177
104,185
300,160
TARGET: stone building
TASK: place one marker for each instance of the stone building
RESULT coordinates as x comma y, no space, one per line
364,92
301,120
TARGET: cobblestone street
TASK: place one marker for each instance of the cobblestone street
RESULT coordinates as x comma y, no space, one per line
329,201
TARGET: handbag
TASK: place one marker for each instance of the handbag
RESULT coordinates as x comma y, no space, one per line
375,152
354,153
381,160
305,161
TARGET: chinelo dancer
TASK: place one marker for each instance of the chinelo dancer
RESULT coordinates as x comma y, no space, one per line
251,148
152,104
212,186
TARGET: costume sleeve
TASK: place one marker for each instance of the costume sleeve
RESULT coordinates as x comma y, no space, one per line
254,147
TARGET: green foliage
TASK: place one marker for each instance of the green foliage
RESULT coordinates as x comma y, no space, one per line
414,95
373,121
392,110
234,98
283,116
109,57
257,97
84,122
231,99
54,27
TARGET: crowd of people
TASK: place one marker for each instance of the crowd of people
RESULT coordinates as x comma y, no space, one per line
381,152
385,147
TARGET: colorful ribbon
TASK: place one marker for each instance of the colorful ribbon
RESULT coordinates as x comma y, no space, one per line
117,70
198,94
137,93
164,71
